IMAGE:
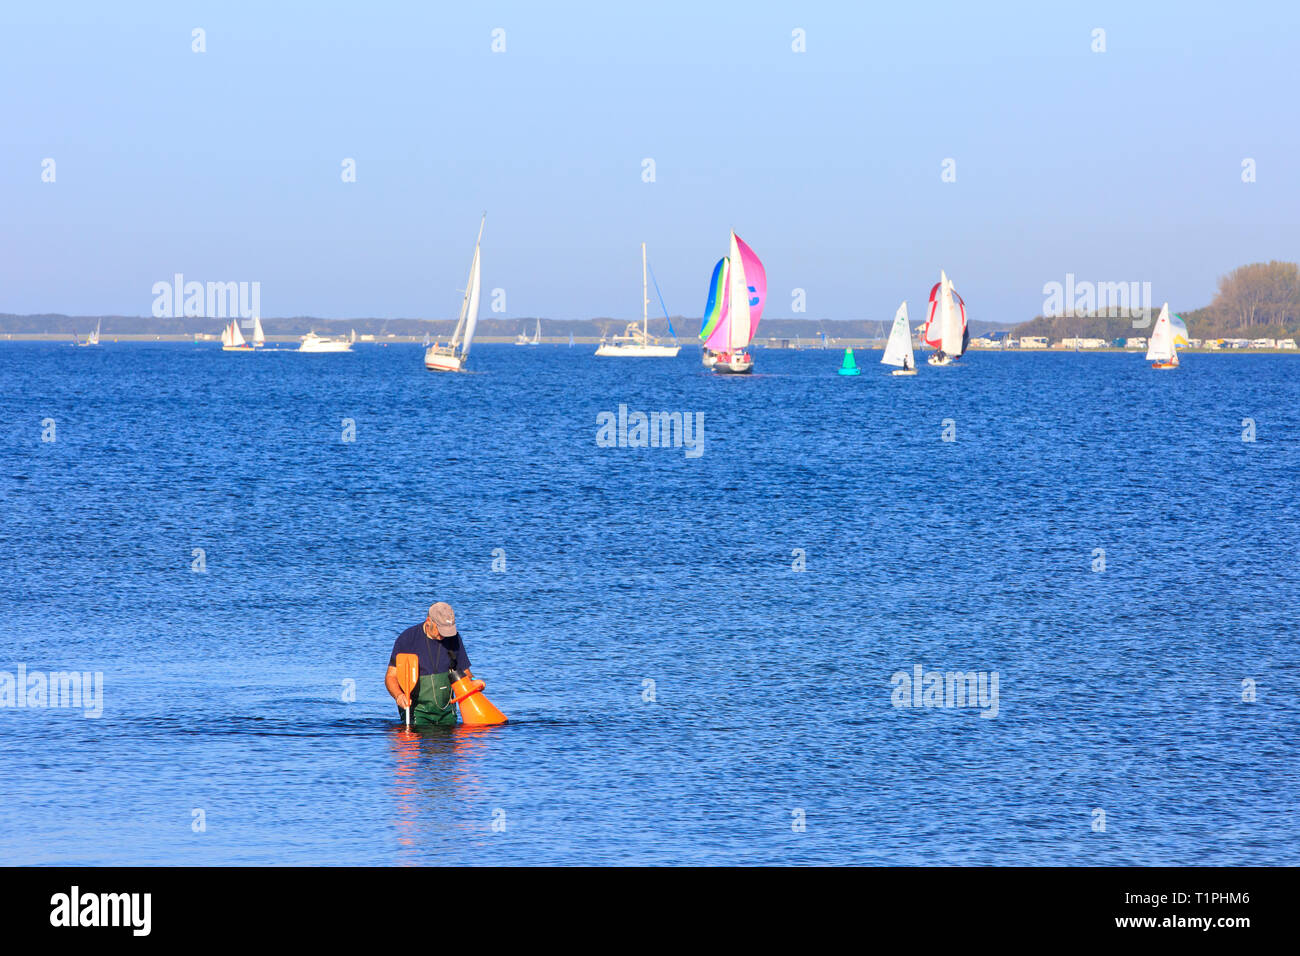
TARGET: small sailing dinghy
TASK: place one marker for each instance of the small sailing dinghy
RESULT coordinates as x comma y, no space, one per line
849,366
232,340
451,358
945,324
742,308
92,338
637,342
898,350
1170,331
259,335
537,335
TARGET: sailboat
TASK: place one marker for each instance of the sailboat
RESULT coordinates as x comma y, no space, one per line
945,323
1170,331
537,335
849,365
746,291
570,340
259,336
93,337
232,340
522,338
637,342
898,350
451,358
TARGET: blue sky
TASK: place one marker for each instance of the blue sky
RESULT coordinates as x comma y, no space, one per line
225,166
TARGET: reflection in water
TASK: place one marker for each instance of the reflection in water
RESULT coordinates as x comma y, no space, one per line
433,775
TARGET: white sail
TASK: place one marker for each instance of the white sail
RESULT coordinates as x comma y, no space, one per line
950,326
231,337
739,328
469,304
537,335
93,338
1160,347
898,351
471,316
259,336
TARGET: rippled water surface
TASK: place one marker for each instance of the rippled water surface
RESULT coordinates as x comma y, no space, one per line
1119,690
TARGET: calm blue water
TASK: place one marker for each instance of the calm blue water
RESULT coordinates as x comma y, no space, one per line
1119,690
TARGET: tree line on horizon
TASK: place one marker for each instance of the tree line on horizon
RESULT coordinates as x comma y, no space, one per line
1258,300
1261,299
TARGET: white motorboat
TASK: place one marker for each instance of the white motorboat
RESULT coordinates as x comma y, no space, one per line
311,342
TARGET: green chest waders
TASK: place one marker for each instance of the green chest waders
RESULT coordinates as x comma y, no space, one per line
431,704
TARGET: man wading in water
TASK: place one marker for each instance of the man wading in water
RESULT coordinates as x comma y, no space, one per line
438,646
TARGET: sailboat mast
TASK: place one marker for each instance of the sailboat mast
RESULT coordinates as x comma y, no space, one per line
645,297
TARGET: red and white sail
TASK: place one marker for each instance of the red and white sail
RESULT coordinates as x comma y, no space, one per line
231,337
945,322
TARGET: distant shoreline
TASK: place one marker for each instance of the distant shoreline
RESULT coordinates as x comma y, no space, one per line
868,345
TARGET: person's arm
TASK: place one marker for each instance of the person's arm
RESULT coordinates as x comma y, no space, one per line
390,682
394,688
390,678
462,658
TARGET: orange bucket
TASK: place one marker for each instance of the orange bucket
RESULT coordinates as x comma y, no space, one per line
474,707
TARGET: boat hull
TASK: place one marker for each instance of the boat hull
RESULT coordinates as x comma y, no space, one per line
903,371
709,359
638,351
742,365
440,360
236,348
1164,366
940,360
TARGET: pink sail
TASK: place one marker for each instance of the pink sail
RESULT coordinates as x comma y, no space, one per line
756,279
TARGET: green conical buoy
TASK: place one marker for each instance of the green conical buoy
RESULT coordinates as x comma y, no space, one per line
850,367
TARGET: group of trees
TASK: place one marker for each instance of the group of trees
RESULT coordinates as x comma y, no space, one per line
1257,300
1262,295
